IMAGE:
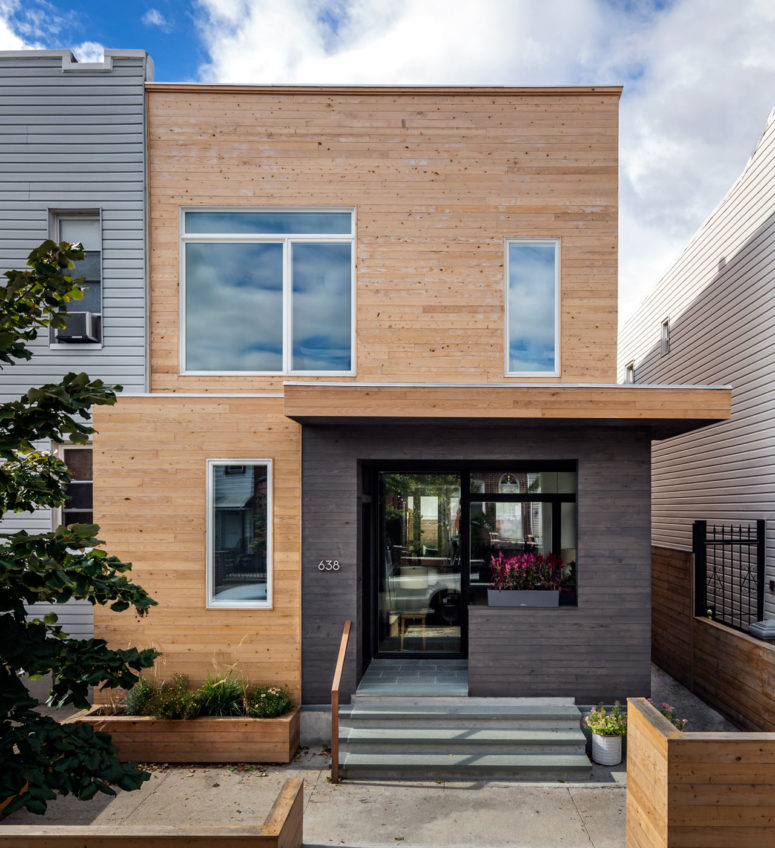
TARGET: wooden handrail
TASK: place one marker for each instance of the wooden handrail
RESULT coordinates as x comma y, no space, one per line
335,702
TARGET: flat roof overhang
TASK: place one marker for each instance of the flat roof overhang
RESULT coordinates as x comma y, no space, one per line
665,410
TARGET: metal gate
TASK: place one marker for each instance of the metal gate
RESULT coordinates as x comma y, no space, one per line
729,572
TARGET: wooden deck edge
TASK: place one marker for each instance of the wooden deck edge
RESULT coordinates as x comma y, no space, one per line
282,829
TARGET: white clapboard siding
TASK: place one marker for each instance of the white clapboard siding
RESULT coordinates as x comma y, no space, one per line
720,299
74,138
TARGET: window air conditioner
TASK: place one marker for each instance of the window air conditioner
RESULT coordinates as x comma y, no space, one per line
81,327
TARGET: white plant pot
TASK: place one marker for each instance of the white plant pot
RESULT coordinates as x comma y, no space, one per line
606,750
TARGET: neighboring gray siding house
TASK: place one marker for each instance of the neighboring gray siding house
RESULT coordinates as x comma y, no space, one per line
711,319
72,156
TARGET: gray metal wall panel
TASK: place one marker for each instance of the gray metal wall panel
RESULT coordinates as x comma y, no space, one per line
719,296
599,650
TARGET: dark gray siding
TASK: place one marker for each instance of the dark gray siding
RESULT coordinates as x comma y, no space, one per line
72,137
597,651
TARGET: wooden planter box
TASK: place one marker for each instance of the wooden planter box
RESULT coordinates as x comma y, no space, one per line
145,739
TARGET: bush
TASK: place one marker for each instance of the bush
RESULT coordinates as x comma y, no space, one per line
137,699
269,702
221,696
173,700
613,723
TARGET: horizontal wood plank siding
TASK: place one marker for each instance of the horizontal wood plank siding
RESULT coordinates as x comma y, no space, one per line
719,297
672,612
438,181
150,500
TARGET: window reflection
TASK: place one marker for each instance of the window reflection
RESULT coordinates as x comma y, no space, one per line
321,306
269,223
234,307
531,306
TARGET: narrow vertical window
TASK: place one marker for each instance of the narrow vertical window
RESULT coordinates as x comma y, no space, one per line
239,533
629,372
532,275
665,336
84,321
79,506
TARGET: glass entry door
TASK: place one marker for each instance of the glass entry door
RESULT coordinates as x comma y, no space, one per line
419,606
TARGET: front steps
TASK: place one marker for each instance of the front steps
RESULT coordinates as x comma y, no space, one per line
454,739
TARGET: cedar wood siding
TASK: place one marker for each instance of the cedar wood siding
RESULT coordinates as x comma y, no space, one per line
719,297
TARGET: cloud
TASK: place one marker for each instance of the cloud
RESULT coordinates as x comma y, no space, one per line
14,27
153,17
89,51
699,81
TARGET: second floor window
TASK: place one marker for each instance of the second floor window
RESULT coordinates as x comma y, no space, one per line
267,291
84,322
532,324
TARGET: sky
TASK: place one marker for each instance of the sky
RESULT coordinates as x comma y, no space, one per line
698,75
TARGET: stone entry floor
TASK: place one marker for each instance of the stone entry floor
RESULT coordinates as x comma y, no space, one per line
415,678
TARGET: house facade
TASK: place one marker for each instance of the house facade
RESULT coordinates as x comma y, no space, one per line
382,356
710,319
73,169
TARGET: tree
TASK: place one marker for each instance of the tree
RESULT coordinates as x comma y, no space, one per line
39,758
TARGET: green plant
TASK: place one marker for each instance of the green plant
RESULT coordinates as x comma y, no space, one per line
173,700
607,723
221,696
268,701
670,714
138,696
41,758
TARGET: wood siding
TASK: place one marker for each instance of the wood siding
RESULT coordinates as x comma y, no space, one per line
564,656
438,180
719,297
672,612
75,140
696,790
150,489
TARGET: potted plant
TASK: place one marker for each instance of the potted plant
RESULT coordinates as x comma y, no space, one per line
223,721
526,580
608,728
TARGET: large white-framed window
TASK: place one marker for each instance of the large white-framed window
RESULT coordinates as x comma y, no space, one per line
239,533
267,291
84,321
532,307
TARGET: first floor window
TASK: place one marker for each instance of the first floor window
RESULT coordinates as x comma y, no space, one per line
532,285
84,322
267,292
79,506
239,537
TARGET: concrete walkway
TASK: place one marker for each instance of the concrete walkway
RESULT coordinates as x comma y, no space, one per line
490,814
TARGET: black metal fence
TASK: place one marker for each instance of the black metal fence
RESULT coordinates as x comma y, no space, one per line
729,572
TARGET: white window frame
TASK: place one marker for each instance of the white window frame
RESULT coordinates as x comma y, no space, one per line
58,449
270,238
629,373
55,216
664,336
211,602
557,334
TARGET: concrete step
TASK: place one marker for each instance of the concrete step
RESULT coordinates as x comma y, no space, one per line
465,766
443,740
468,716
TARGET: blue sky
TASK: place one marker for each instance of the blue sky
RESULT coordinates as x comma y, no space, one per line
699,75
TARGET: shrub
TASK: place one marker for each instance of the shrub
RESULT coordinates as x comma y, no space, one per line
669,713
220,696
269,701
604,723
138,696
173,700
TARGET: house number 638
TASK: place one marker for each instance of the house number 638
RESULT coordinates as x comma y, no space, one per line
328,565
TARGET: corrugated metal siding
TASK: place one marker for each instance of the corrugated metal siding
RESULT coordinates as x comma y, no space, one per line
75,139
720,298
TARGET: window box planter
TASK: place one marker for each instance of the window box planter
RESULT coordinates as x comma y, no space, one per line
208,739
523,597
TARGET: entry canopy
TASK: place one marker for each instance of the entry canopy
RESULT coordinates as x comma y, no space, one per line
666,410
